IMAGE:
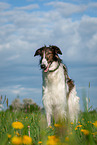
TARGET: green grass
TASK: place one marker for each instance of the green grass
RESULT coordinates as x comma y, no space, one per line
62,134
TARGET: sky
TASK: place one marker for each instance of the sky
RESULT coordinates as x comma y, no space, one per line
26,25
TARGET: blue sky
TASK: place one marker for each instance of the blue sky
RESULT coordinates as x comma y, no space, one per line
26,25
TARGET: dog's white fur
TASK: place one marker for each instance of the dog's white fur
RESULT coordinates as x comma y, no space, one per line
55,90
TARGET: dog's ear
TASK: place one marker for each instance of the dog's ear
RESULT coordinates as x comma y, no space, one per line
38,52
56,50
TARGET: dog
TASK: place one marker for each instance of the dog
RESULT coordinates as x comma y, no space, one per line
59,93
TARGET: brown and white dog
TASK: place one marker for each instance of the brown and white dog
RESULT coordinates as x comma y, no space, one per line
59,92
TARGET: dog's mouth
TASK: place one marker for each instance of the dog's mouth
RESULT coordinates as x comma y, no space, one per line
45,68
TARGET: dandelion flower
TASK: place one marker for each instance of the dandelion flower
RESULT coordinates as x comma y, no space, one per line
70,133
76,128
9,135
16,140
27,140
79,122
86,132
17,125
40,142
67,138
17,133
79,126
57,125
50,126
95,124
52,140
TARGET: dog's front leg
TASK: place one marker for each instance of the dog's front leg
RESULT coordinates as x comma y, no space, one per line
48,119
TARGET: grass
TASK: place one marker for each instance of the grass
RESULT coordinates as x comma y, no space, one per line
35,128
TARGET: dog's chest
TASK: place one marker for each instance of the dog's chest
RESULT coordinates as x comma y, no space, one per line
54,84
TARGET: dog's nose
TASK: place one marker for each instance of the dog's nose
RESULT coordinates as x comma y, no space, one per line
43,66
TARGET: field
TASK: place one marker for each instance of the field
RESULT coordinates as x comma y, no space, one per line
31,128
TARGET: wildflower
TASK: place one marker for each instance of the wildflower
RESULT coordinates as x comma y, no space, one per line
79,126
17,133
40,142
79,122
16,140
93,133
52,140
17,125
50,126
57,125
70,133
27,140
72,123
95,124
9,135
67,138
86,132
76,128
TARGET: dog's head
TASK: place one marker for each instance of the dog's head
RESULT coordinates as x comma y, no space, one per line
48,56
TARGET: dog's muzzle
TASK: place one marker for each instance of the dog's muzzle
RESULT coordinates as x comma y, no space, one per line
45,68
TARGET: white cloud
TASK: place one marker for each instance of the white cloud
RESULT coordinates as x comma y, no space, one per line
13,57
92,4
4,6
67,9
29,7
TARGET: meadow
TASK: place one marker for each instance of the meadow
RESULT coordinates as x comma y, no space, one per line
25,124
19,127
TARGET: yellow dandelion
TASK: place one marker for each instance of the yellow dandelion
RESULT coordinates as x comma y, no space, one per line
86,132
76,128
72,123
52,140
9,135
17,125
57,125
70,133
79,122
50,126
17,133
16,140
79,126
27,140
67,138
40,142
95,123
93,133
